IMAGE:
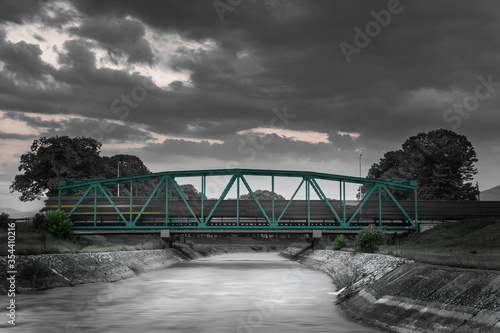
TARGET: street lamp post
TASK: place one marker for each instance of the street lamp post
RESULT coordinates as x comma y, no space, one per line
117,184
360,175
361,210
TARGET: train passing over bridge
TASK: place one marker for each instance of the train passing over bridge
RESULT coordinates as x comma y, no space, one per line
92,205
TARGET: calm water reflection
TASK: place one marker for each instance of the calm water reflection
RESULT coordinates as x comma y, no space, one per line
243,292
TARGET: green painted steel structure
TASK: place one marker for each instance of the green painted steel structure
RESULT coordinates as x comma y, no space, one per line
166,181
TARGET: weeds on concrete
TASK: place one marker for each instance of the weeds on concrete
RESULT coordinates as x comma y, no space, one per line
346,277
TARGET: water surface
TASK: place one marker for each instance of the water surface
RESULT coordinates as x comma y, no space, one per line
241,292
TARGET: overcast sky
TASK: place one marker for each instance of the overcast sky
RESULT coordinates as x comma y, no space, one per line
305,85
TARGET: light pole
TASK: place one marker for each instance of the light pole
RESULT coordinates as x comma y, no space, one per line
118,185
360,175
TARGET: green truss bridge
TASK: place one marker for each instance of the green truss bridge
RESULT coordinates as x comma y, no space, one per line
94,204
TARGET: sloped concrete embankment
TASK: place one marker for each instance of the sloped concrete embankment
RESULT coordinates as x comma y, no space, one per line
402,296
60,270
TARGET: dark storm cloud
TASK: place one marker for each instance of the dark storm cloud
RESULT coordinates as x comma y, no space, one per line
118,36
245,149
268,54
17,10
110,131
34,122
15,136
21,58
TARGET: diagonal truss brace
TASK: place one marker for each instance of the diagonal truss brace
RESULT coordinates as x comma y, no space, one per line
322,196
174,182
222,196
255,199
113,204
399,206
80,201
291,199
148,201
365,199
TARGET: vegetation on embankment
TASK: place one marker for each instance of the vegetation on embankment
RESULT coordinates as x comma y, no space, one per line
473,243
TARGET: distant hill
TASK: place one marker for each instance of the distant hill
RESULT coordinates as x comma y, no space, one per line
493,194
17,214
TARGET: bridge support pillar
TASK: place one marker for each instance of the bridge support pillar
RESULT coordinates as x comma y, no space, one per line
167,237
316,237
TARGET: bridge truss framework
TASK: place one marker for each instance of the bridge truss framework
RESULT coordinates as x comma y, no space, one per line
201,213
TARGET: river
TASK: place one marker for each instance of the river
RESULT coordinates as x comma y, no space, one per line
239,292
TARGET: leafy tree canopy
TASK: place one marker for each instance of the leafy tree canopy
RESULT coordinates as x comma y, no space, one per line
441,161
262,195
51,159
188,190
55,158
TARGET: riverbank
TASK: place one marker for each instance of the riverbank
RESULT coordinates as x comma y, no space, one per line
45,271
398,295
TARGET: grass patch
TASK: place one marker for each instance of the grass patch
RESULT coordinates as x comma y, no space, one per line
473,243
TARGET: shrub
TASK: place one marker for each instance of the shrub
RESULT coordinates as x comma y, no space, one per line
256,248
39,221
369,239
204,250
58,224
340,243
4,220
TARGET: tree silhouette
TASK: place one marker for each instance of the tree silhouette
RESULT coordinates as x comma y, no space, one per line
441,161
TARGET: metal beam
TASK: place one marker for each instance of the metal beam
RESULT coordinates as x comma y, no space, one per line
174,182
322,196
113,204
289,202
255,198
148,201
222,196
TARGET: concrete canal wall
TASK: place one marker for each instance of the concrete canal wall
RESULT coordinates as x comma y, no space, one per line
398,295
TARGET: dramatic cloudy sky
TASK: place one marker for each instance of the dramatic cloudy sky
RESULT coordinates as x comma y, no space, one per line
251,84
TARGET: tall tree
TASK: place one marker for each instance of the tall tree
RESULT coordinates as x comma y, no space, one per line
441,161
52,159
55,158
